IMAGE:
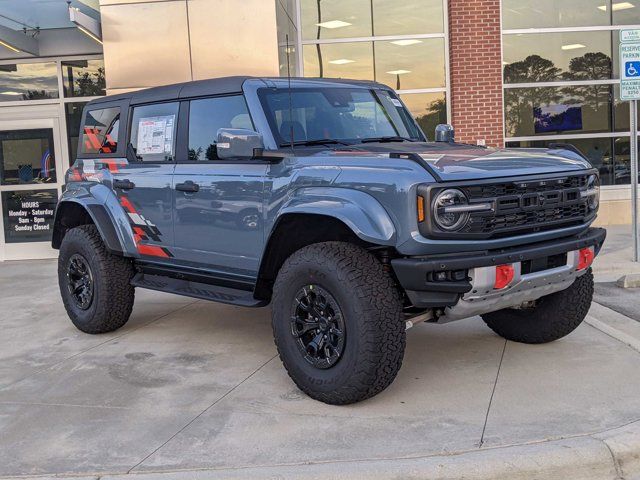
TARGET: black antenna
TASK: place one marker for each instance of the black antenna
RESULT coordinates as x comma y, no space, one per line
289,90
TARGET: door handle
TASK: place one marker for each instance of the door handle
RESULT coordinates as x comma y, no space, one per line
123,184
188,186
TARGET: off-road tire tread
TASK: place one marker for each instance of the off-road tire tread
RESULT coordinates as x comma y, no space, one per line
558,315
380,320
113,272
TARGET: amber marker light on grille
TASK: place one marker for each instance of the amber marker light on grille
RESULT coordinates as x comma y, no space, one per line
420,209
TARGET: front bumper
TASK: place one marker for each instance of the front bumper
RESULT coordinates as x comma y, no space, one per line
474,294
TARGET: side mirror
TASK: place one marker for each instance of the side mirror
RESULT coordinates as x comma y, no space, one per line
238,143
445,133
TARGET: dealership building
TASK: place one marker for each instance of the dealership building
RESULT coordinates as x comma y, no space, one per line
520,73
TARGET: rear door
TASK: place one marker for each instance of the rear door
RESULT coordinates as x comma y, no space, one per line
218,203
142,175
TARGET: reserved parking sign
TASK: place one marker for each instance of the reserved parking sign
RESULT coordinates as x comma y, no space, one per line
630,64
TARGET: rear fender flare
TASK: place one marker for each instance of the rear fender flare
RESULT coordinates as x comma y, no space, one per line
104,209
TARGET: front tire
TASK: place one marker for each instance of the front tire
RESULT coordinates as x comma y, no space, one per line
338,323
94,284
553,317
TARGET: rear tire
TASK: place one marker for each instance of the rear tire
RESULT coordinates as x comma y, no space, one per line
553,317
349,291
94,284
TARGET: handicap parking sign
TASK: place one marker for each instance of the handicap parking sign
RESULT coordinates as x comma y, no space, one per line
632,69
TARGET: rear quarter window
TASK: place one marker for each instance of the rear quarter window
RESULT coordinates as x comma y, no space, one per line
100,131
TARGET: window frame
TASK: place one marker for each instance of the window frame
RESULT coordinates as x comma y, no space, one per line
89,107
129,131
182,138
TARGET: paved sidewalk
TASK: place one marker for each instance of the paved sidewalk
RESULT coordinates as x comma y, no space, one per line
190,389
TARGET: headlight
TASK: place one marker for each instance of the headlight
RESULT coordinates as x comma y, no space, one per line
593,192
450,209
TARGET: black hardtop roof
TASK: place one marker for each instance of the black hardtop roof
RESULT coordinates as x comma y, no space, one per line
214,86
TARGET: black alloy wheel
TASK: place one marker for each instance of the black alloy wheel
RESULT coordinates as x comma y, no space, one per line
318,326
80,281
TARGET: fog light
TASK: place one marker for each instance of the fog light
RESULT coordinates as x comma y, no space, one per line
504,276
585,258
440,276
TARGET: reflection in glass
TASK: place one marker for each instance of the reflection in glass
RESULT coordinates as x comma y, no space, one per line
558,110
626,12
326,19
287,37
339,60
207,116
557,56
518,14
28,81
73,116
407,17
83,78
419,64
611,156
27,156
428,109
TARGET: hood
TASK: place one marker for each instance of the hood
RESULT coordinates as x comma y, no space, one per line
458,162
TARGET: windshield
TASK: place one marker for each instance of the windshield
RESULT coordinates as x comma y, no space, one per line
307,116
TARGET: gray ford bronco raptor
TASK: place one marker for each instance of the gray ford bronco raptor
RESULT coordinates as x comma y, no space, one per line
325,199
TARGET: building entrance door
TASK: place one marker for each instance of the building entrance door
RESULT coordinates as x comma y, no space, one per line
31,176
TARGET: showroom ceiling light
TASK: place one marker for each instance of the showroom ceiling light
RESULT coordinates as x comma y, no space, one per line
18,41
86,24
341,61
333,24
616,7
10,92
404,43
573,46
398,72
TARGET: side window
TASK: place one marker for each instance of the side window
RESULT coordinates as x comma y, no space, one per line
100,131
208,115
153,132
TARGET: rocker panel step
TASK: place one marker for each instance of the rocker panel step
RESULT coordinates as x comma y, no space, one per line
202,291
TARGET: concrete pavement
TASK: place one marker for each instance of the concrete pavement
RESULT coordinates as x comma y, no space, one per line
190,389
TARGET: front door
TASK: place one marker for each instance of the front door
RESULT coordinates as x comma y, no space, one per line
218,203
31,175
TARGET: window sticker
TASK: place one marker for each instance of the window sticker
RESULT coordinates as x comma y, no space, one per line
396,102
155,135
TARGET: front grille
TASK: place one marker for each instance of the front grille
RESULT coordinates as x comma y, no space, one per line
519,206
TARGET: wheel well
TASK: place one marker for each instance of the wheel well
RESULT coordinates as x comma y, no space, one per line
69,215
293,232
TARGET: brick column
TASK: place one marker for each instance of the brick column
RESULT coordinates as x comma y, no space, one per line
476,71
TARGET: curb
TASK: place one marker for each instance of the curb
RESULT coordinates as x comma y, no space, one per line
610,455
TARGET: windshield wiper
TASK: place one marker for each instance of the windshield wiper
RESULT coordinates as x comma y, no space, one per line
311,143
386,139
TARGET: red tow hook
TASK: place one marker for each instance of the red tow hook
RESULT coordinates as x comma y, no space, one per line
504,276
585,258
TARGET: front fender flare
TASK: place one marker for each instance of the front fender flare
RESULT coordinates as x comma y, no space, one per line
361,212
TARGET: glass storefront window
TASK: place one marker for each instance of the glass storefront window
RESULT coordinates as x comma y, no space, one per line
545,57
339,60
518,14
328,19
27,156
407,17
28,81
562,110
28,215
428,109
83,78
626,13
401,66
611,156
411,66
